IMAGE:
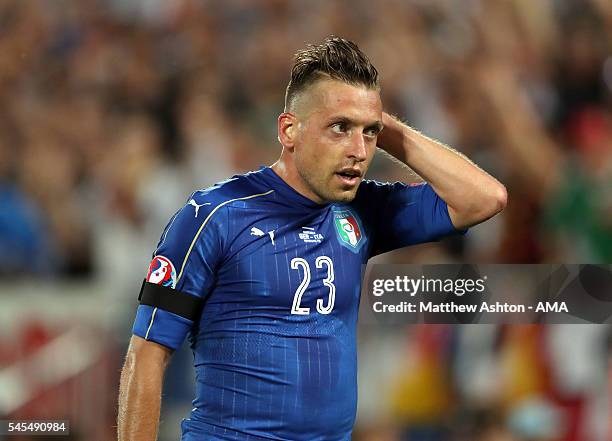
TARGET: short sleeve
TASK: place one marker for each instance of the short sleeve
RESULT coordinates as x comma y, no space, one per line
186,259
404,214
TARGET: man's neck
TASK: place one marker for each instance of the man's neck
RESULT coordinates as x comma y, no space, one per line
289,174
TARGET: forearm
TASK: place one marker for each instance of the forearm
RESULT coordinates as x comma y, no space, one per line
139,397
471,194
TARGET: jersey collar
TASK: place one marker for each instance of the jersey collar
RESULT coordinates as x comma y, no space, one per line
287,191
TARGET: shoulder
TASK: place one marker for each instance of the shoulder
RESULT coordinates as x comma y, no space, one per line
376,189
374,197
230,192
205,211
370,185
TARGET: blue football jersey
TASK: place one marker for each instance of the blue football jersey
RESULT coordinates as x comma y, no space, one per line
280,277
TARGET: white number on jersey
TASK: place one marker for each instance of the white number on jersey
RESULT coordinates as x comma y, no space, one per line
298,262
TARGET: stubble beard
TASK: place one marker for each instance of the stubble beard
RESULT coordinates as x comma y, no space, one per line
323,190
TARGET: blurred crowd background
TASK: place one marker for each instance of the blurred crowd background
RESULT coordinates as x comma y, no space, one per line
113,111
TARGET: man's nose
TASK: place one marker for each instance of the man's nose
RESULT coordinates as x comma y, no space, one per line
358,147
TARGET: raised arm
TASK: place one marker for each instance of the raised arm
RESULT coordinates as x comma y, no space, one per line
140,390
472,195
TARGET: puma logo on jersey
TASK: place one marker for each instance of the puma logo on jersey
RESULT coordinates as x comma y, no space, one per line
257,232
193,203
271,233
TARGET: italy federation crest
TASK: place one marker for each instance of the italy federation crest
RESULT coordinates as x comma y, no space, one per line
348,227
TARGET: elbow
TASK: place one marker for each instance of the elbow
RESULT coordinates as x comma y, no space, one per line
483,206
491,203
499,199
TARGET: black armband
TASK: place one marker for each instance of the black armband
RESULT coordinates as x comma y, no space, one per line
171,300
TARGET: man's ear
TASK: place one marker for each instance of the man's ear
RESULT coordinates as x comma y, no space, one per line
287,129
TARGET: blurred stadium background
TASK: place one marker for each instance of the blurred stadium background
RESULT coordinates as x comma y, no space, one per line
113,111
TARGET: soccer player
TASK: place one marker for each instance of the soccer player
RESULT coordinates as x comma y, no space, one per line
262,272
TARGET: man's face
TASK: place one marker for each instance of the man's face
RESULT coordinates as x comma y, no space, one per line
336,138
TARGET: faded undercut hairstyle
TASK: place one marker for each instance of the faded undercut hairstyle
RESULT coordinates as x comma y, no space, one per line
337,58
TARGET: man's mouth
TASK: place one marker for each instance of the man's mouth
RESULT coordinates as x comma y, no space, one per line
349,176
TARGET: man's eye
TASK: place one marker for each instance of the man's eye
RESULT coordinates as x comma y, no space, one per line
339,127
372,132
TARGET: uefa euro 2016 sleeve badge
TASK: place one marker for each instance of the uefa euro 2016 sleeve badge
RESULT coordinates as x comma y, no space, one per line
162,272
